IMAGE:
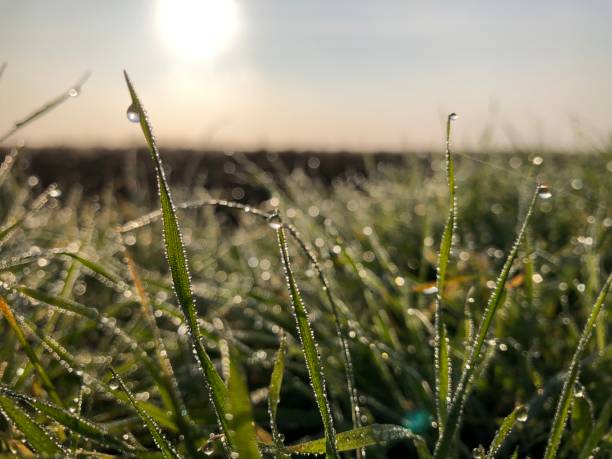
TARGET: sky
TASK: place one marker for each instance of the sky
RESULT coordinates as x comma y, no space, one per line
358,75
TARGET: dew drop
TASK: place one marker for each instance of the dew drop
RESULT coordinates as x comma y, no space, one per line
544,192
113,385
132,114
578,390
209,448
522,414
74,92
479,453
430,290
453,116
274,221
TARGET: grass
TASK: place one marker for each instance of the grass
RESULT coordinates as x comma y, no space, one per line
388,325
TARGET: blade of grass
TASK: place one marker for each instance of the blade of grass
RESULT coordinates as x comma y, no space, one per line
354,439
241,419
177,261
597,432
169,383
160,440
57,101
276,381
442,353
35,361
563,407
462,391
71,421
504,430
38,438
309,346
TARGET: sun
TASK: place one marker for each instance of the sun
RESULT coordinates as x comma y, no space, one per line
197,29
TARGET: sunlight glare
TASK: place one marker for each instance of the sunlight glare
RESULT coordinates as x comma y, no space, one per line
197,29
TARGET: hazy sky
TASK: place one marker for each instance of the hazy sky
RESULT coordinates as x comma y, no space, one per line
312,74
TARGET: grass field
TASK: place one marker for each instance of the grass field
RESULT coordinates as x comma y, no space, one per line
463,331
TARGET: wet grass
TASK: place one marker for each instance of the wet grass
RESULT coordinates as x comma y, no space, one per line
452,307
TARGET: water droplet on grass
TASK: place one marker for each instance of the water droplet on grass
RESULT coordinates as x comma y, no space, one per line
209,448
522,414
453,116
544,192
132,114
274,221
74,92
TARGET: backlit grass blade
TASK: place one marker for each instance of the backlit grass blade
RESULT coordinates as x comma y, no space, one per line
34,360
177,260
518,414
61,303
241,419
71,421
442,352
458,400
276,381
597,432
309,347
63,97
362,437
168,383
563,407
159,438
38,438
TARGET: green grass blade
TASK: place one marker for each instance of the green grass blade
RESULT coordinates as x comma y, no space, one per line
177,260
34,360
63,97
460,395
442,351
160,440
61,303
309,347
354,439
597,432
38,438
504,430
563,407
276,381
581,418
71,421
241,419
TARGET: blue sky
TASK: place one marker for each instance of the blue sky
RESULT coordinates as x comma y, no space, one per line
317,74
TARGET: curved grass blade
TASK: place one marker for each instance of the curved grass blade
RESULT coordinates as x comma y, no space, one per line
168,383
309,347
38,438
504,430
72,421
241,419
59,302
63,97
442,352
362,437
177,261
276,381
563,407
161,442
34,360
597,432
456,407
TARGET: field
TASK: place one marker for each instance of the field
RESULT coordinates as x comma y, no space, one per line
370,304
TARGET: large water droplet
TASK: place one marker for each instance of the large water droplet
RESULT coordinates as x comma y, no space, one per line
522,414
430,290
74,92
453,116
209,448
544,192
274,221
113,385
132,114
578,390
